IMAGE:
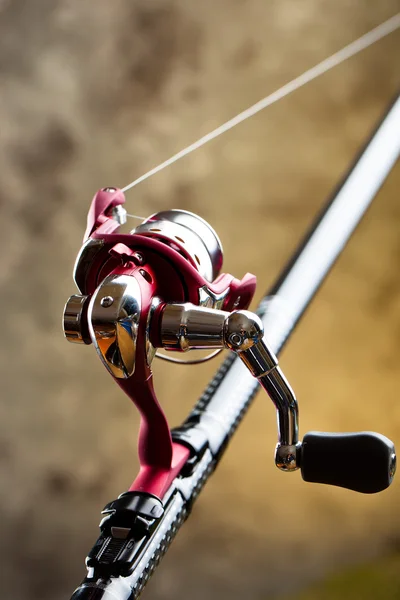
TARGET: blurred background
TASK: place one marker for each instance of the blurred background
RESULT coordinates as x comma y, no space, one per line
95,94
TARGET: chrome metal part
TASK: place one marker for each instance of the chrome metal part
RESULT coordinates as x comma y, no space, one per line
150,349
277,386
75,320
118,213
208,299
113,326
84,261
188,327
191,235
244,335
106,301
287,458
138,258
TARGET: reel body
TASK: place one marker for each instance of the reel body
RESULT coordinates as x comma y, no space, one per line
125,281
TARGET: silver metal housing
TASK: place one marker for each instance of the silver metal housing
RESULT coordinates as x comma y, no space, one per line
190,327
113,318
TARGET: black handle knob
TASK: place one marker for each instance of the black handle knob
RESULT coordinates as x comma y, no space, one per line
364,462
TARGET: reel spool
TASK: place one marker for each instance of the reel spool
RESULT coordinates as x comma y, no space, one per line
190,235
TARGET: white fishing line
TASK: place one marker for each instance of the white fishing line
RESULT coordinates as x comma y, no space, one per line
352,49
136,217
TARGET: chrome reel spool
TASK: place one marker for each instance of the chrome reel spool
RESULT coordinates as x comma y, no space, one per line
190,235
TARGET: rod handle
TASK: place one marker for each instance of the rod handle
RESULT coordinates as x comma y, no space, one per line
364,461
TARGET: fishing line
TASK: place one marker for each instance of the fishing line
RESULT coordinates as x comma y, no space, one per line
348,51
136,217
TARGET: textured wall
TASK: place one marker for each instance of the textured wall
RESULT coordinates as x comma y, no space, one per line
94,94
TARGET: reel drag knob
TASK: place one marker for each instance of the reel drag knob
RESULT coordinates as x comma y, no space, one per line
364,462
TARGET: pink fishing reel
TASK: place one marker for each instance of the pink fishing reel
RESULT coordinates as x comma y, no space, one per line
125,281
159,287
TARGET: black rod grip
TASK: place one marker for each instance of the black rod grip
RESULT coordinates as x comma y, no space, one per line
364,461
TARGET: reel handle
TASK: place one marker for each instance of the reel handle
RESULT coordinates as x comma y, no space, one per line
364,461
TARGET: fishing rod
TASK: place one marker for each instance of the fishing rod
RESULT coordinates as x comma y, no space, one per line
160,287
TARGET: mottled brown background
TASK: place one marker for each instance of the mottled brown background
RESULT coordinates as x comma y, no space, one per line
95,93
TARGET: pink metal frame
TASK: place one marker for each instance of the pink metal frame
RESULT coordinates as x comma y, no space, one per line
170,275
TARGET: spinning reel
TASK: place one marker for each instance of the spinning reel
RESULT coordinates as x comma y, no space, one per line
159,287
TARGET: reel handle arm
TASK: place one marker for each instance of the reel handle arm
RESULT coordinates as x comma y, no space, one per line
186,327
363,462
